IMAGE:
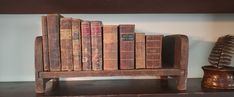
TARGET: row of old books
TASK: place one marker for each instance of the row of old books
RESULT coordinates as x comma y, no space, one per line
73,44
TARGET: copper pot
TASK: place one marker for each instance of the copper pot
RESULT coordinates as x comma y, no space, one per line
218,78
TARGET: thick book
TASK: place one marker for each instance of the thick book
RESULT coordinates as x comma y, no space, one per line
140,50
76,41
153,51
110,47
45,43
86,45
126,45
66,44
96,45
53,41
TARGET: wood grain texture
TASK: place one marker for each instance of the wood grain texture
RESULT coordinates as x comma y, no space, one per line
140,50
140,72
53,41
110,47
116,6
113,88
126,46
66,44
45,43
76,41
39,82
153,51
96,45
86,45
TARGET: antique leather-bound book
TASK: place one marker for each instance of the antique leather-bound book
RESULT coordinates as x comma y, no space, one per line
153,51
53,21
76,41
110,47
66,44
140,50
126,45
96,45
86,45
45,43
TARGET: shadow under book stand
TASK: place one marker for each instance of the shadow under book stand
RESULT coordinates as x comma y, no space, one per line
174,60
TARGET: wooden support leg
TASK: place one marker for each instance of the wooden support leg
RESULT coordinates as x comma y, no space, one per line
40,85
55,83
181,82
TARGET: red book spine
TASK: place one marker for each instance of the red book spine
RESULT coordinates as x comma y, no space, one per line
86,45
153,51
110,47
96,42
126,42
66,44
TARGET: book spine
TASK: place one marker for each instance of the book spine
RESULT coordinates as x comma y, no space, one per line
45,43
126,42
140,50
76,40
53,41
153,51
86,45
110,47
66,44
96,43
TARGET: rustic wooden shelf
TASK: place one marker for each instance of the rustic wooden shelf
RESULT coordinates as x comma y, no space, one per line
115,6
113,88
141,72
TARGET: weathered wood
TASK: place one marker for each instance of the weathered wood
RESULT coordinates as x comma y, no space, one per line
113,88
140,72
115,6
39,83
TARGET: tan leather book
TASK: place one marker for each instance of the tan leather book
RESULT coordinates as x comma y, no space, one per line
86,45
66,44
96,44
110,47
140,50
53,21
76,41
126,41
153,51
46,62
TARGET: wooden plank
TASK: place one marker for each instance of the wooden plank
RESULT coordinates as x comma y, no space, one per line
113,88
115,6
142,72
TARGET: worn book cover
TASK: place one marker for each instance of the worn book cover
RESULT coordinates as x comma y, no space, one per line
153,51
53,21
76,41
96,44
140,50
45,43
110,47
66,44
86,45
126,43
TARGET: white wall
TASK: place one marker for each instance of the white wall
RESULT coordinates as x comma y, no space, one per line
17,33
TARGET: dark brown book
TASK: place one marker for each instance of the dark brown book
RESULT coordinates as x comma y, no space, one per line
53,41
96,44
153,51
45,43
140,50
110,47
126,43
86,45
66,44
76,40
